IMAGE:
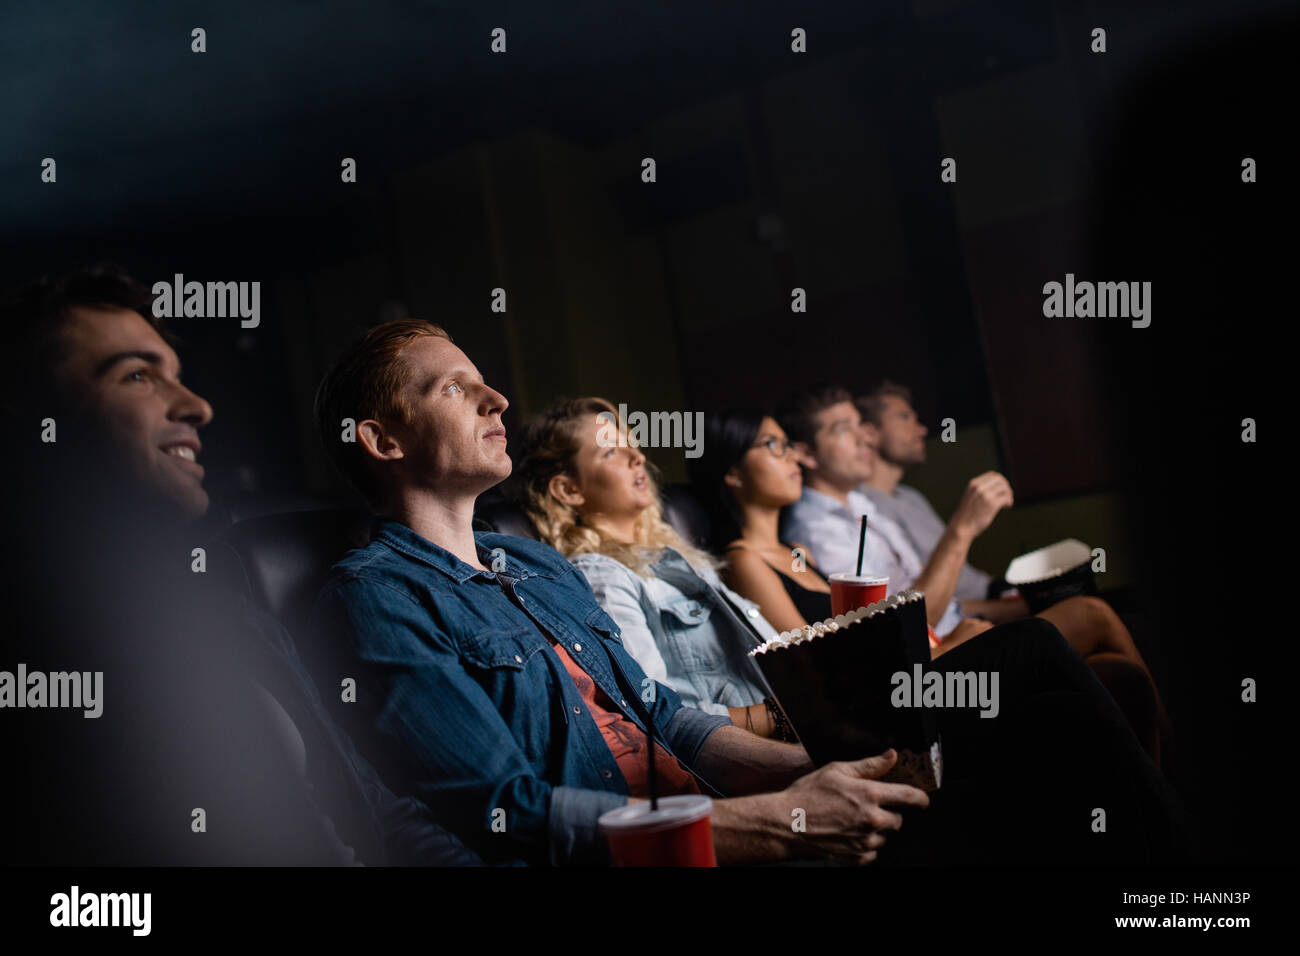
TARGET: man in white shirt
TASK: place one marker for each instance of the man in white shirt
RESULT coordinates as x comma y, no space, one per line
900,445
838,456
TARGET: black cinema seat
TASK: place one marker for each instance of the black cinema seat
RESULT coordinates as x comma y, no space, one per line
285,557
682,510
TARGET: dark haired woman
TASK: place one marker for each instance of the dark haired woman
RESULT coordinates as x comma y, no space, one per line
748,473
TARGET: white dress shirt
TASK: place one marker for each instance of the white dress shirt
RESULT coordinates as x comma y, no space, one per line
912,512
830,530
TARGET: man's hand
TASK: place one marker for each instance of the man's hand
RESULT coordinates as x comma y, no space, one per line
844,808
985,496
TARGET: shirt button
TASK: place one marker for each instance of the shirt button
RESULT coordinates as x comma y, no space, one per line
518,659
607,774
577,647
577,709
622,703
752,612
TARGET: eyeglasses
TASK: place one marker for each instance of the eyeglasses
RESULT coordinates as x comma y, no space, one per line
779,447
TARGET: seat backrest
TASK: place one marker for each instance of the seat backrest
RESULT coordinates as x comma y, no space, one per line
287,557
682,510
504,516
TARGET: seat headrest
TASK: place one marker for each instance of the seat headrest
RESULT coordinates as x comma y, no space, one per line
682,510
504,516
287,557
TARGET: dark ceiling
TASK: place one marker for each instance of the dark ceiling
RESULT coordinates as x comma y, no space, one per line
148,134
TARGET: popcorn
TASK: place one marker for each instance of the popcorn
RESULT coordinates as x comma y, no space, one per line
816,629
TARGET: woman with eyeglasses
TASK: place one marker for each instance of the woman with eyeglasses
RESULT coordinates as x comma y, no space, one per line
747,473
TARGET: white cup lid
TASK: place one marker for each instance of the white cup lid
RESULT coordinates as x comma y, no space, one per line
673,812
1048,562
849,578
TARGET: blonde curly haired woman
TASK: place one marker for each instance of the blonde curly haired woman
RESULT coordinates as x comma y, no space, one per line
592,496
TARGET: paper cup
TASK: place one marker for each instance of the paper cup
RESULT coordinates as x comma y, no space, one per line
852,591
679,833
1053,574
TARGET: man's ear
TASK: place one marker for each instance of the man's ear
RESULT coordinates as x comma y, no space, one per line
379,443
566,491
803,454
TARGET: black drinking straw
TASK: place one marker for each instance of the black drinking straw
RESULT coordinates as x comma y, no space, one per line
862,543
654,777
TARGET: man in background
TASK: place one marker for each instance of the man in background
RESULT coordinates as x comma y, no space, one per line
900,445
838,456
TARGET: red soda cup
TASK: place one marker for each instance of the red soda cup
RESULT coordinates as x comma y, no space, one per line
677,834
852,591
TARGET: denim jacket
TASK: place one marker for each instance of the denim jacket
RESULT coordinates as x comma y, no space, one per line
679,627
461,703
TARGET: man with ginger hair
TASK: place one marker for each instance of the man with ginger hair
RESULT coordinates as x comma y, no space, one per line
492,686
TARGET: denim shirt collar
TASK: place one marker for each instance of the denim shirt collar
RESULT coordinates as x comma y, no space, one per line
402,539
671,556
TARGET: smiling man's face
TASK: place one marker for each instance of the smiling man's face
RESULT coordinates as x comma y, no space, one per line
123,380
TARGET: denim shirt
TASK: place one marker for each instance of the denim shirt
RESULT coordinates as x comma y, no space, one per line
461,703
682,632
